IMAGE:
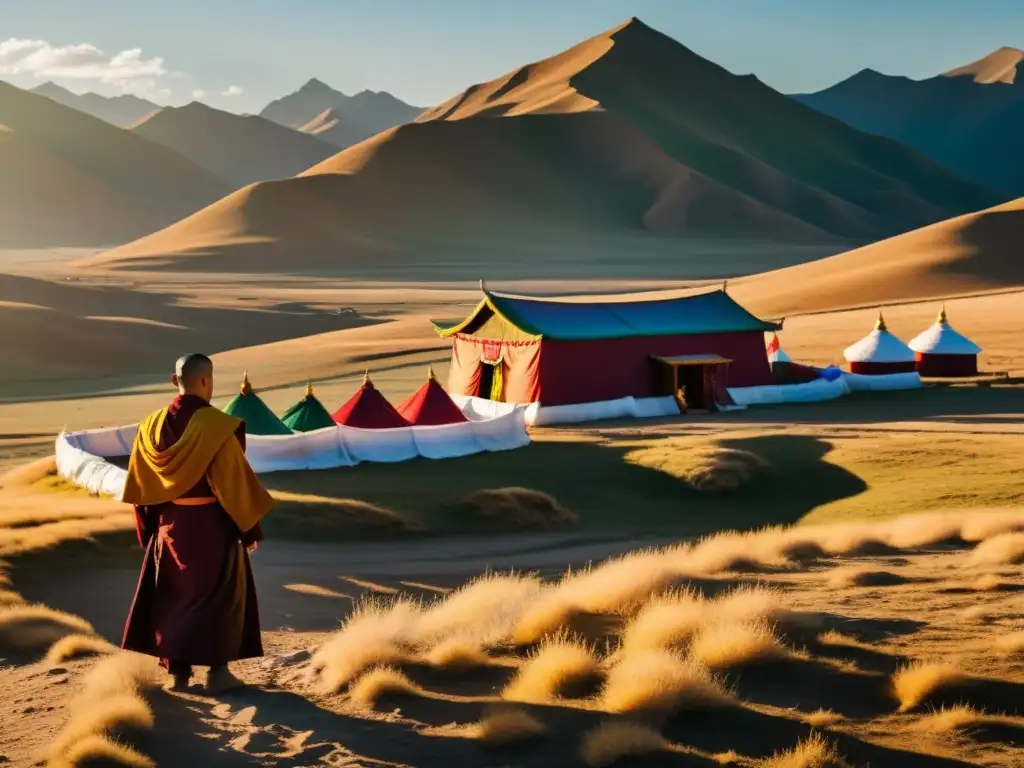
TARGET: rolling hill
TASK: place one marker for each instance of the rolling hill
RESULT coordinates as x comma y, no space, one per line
69,179
239,148
628,138
970,119
977,252
342,119
120,110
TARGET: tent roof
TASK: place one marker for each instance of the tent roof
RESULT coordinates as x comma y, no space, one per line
258,418
713,312
879,346
430,405
368,409
941,339
308,414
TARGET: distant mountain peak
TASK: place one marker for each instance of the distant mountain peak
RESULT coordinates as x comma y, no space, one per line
314,85
50,88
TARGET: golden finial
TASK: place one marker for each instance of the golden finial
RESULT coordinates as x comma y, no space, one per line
942,314
430,373
880,325
246,387
725,286
309,388
366,378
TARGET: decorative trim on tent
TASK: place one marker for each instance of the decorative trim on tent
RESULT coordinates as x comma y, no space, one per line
487,303
501,342
692,360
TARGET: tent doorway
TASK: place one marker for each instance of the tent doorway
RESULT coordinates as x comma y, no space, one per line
691,380
491,381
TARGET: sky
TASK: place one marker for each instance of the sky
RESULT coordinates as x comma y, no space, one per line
240,54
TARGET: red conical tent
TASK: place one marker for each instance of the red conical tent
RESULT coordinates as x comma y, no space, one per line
430,405
368,409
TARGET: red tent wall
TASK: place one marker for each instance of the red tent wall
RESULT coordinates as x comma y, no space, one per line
520,361
946,365
607,369
430,406
369,409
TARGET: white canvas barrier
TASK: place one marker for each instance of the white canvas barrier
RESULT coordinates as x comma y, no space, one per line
887,382
82,456
814,391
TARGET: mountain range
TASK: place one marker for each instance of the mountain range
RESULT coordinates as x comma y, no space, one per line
70,179
120,110
970,119
626,135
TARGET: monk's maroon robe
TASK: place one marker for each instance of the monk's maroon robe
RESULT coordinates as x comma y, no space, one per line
196,600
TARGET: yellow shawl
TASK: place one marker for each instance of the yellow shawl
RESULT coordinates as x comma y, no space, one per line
207,448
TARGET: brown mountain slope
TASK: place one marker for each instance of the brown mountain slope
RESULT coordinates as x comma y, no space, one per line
69,179
1001,66
977,252
628,133
118,110
240,148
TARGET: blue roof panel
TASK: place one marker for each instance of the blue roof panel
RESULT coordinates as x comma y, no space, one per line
712,312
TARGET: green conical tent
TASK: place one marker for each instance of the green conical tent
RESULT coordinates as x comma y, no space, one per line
308,414
259,420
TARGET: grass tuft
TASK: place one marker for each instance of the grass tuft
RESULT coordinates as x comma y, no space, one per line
34,628
610,742
727,645
660,682
813,752
557,668
914,684
77,647
505,726
367,691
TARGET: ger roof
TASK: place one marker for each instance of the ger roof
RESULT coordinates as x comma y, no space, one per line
258,418
879,346
706,313
308,414
941,339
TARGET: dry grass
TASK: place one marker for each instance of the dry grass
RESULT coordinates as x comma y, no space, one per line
110,707
755,603
100,751
375,634
813,752
557,668
76,647
660,682
310,516
1009,645
34,628
982,614
505,726
726,645
914,684
372,686
990,582
822,718
858,576
518,509
486,608
665,623
964,717
1002,549
611,741
709,468
457,654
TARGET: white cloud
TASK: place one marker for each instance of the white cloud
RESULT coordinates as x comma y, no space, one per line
233,90
199,94
127,70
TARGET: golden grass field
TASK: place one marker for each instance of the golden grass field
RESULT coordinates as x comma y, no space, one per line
829,661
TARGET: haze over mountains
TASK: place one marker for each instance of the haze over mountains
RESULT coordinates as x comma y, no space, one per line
241,149
970,119
628,134
120,110
69,179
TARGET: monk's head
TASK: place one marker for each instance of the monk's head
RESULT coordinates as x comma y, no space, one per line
193,375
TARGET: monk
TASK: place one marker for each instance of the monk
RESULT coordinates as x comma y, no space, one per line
198,506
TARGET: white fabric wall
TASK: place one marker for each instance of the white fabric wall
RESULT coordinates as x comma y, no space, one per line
814,391
80,455
859,382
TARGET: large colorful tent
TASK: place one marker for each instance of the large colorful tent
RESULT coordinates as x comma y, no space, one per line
523,350
368,409
879,353
308,414
941,351
430,405
258,418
